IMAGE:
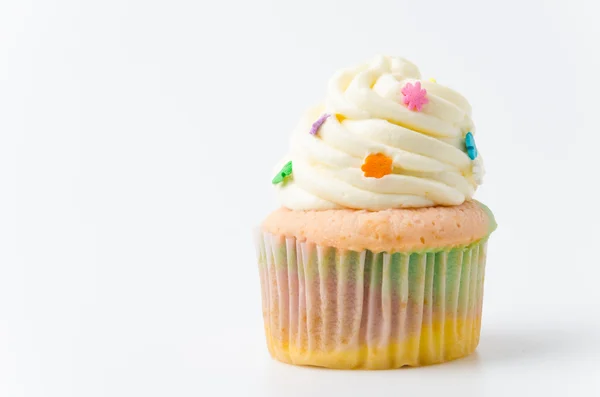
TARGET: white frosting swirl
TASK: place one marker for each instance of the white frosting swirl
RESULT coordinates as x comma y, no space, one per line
430,165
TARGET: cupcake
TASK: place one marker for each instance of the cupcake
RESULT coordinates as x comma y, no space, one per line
376,258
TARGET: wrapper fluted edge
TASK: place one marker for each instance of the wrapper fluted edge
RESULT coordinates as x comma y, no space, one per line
337,308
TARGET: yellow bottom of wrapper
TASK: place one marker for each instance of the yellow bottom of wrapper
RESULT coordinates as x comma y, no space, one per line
436,344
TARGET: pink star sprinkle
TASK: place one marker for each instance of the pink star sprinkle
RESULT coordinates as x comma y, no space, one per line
414,96
317,124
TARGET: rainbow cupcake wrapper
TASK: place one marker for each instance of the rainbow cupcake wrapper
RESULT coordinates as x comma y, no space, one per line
336,308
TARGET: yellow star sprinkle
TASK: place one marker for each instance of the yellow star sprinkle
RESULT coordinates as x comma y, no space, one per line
433,80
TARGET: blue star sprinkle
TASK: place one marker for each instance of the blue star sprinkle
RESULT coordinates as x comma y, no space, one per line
471,147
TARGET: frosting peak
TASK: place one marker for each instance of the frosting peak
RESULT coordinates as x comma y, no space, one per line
381,117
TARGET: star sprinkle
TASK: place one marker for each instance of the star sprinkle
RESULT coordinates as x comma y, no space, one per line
285,172
470,145
414,96
433,80
377,166
317,124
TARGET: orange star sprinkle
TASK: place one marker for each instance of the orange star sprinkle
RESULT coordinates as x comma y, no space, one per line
377,165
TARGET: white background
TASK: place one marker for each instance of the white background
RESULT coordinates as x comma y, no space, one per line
137,141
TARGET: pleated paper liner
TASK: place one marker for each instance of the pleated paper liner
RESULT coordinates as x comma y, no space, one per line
335,308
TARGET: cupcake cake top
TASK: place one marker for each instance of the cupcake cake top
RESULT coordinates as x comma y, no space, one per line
382,139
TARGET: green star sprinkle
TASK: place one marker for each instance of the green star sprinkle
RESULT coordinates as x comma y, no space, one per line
284,173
